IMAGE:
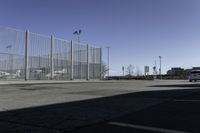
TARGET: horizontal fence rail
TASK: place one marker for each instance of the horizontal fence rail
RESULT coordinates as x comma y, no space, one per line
30,56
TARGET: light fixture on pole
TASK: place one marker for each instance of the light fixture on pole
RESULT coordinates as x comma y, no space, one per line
9,46
78,33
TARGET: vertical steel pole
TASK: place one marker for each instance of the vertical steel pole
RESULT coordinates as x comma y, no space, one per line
108,60
26,55
100,63
95,63
88,65
80,60
72,61
160,68
93,50
52,43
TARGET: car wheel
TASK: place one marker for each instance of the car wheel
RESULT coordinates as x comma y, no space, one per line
190,80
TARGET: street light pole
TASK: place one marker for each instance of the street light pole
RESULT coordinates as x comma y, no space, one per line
78,33
160,67
122,70
108,59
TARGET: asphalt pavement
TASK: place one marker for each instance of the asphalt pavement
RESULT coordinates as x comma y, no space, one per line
179,112
116,106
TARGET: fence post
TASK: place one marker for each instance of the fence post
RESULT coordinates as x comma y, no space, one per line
94,63
72,61
100,63
52,67
88,65
26,54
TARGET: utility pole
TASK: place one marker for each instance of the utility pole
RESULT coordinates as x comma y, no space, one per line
123,70
155,70
160,67
108,59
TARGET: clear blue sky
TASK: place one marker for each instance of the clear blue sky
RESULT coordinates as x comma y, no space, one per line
138,31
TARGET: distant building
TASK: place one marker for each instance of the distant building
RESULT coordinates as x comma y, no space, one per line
176,71
196,68
187,72
179,73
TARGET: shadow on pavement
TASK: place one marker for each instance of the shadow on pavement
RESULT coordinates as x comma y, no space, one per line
72,115
178,114
177,85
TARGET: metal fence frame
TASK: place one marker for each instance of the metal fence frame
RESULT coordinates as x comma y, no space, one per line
68,60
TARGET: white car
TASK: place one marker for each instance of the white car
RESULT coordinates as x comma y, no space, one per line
7,75
194,75
57,73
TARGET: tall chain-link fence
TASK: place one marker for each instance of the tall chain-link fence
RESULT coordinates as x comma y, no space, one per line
26,55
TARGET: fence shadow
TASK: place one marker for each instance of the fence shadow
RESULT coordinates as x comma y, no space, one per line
70,115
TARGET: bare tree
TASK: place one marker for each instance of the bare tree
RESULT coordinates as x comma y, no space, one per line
104,69
130,70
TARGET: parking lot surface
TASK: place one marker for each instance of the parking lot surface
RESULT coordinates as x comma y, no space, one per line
113,106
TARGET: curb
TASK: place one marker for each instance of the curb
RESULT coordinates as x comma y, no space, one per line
50,82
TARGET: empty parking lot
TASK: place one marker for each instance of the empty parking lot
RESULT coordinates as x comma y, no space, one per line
111,106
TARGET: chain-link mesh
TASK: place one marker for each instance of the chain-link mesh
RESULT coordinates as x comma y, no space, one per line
80,60
39,56
48,58
12,46
61,59
94,61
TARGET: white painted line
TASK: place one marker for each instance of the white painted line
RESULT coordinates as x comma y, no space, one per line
186,100
162,130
